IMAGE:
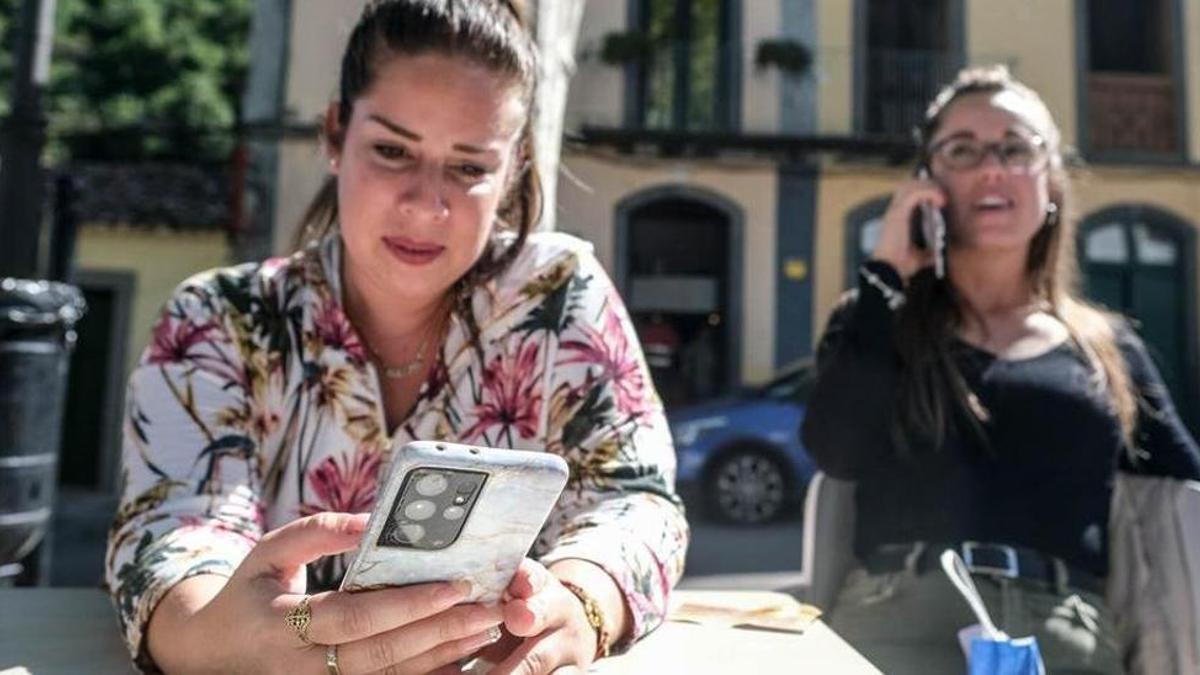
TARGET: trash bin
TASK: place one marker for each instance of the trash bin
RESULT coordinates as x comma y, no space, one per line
37,320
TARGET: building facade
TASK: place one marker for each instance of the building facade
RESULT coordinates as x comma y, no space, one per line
732,193
730,159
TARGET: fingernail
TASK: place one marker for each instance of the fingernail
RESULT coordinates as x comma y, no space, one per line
455,591
487,637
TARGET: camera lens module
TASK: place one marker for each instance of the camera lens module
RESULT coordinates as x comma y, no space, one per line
432,484
454,512
419,510
412,532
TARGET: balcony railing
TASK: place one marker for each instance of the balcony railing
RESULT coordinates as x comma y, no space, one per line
776,111
1132,113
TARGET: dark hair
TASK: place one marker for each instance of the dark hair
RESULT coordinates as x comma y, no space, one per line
490,33
932,392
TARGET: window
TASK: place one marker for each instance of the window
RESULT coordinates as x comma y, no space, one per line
685,85
910,53
1132,92
1134,260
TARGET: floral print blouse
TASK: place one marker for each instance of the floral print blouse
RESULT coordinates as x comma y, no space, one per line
255,404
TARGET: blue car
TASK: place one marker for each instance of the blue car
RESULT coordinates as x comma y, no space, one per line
743,453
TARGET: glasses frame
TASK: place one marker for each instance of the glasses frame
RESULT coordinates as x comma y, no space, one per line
1039,162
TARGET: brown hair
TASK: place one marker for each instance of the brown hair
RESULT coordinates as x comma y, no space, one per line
932,391
490,33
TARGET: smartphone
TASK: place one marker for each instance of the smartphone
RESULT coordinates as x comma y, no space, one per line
448,512
928,230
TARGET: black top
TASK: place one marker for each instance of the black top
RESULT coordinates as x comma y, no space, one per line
1042,481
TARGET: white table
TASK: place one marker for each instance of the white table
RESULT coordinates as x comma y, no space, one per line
46,631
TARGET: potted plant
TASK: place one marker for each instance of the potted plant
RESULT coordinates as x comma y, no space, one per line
621,48
790,56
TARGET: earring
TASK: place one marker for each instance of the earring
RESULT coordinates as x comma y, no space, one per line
1051,214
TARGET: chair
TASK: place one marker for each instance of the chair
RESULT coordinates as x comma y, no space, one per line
828,553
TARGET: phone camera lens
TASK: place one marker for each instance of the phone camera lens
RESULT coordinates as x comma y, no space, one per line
419,510
412,532
460,500
454,512
432,484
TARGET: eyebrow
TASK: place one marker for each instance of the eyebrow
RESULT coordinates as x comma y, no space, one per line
415,137
967,133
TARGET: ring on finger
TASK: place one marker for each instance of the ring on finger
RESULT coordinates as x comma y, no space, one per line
299,618
331,660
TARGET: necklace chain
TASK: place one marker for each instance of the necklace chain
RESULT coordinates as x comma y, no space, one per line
399,371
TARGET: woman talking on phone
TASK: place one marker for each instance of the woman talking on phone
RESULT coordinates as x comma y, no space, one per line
985,411
421,305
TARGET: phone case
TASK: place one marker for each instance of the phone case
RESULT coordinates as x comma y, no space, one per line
518,491
934,226
929,230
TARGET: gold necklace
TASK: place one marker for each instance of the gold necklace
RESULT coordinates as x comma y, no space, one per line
402,370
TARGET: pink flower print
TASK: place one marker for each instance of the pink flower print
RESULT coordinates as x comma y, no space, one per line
618,360
512,397
174,338
334,330
346,483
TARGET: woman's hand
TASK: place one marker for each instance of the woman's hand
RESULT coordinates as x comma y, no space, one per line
895,245
548,631
416,629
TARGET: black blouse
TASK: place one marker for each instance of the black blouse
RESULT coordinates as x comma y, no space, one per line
1043,479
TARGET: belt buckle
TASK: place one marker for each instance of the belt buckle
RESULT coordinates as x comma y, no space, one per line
1009,570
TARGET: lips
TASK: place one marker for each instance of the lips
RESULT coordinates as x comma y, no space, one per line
993,203
411,251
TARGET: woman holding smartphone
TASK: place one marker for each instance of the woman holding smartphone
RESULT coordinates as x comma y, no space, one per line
986,411
421,305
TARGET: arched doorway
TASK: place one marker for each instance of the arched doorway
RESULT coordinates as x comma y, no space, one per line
863,225
1139,260
678,252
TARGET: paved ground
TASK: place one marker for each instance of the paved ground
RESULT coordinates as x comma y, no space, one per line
82,519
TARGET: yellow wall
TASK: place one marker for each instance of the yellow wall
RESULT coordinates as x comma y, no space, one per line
841,190
160,259
1191,33
1037,39
587,208
834,66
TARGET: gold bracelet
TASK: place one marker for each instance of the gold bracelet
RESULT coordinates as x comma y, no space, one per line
595,616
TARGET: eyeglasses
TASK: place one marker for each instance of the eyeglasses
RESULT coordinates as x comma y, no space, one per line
1020,155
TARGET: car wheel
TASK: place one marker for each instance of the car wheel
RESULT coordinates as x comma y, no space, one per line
747,486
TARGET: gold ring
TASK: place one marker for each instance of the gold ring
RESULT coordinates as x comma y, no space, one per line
331,665
299,618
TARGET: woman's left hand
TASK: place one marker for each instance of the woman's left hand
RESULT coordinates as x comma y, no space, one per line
547,629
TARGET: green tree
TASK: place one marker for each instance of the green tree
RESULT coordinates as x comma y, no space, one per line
144,79
8,9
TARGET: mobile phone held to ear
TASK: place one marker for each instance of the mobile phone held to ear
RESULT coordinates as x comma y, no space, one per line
928,230
447,512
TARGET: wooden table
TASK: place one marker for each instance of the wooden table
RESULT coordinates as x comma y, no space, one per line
44,631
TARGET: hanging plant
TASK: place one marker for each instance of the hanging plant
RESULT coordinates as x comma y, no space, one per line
788,55
620,48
